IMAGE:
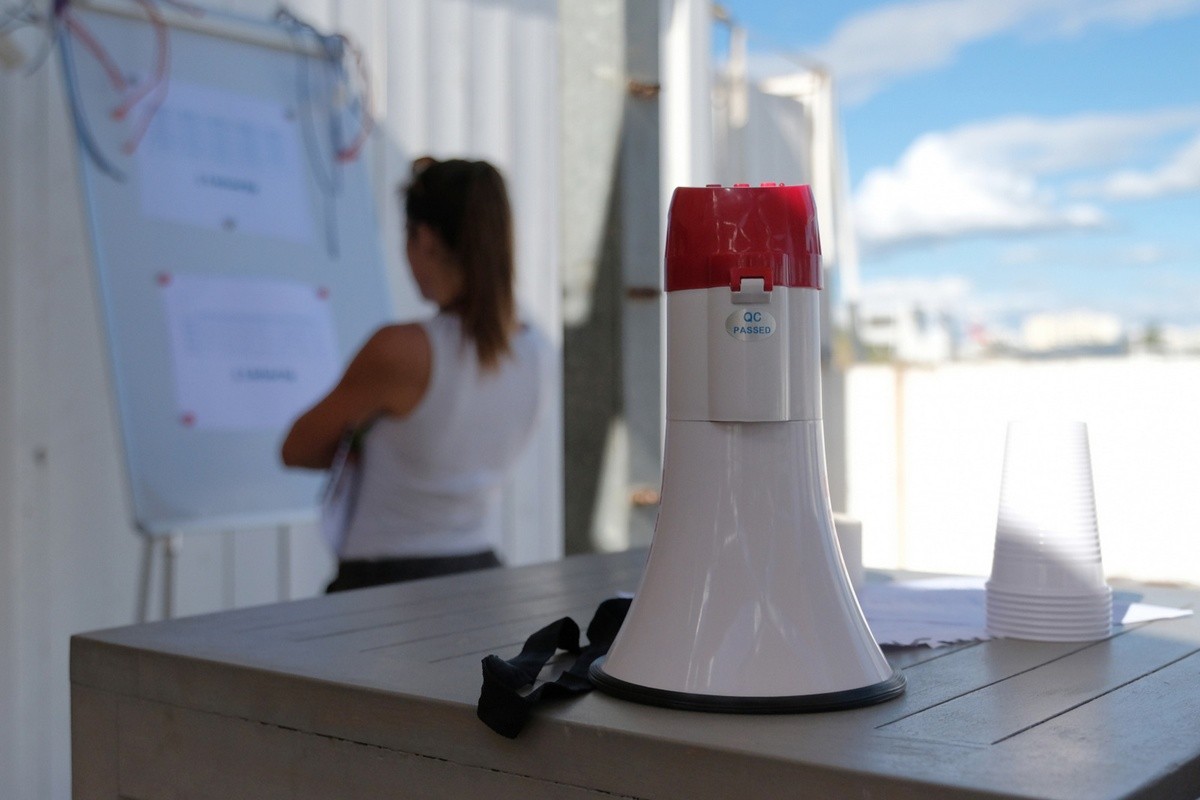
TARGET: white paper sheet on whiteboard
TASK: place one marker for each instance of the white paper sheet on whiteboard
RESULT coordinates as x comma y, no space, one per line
225,161
248,353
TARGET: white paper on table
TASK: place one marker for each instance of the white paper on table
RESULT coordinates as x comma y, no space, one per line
1134,613
225,161
935,612
247,353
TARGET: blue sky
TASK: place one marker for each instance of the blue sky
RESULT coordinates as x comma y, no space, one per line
1013,156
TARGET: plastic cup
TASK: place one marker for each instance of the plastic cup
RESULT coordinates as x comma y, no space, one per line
1047,576
1047,573
1090,600
1046,485
1075,623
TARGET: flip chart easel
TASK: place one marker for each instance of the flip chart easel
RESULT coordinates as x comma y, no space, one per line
236,253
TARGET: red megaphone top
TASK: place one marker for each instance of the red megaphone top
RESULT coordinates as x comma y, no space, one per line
718,235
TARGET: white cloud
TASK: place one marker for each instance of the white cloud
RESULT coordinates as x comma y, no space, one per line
947,291
892,41
1021,255
889,42
1077,16
940,189
1144,254
957,296
1173,298
1179,173
994,176
1050,145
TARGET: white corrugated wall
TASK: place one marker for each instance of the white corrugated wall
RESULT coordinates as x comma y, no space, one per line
452,77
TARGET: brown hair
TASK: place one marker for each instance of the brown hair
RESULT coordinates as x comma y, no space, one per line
466,204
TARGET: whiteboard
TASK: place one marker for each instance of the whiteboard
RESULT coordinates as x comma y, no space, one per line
238,262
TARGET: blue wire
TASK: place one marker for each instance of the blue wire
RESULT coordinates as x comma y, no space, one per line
77,115
327,174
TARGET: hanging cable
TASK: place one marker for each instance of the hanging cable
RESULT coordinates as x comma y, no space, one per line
319,81
80,31
155,88
161,44
75,103
151,92
337,47
310,100
362,100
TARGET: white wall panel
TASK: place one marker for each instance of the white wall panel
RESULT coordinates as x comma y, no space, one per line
491,37
773,142
686,99
10,552
65,529
448,45
479,80
533,136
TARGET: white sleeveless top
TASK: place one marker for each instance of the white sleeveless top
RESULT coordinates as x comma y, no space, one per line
430,481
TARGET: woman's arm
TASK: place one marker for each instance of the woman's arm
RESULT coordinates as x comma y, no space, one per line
389,375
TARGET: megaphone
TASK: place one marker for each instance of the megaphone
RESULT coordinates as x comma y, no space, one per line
745,604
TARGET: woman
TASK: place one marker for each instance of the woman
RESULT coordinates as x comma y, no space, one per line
447,403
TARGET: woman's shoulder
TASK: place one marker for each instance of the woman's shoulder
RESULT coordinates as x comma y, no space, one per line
397,342
397,360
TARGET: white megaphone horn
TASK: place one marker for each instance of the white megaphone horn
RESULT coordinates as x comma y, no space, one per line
745,604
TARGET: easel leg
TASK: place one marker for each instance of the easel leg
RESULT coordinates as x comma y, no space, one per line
171,547
283,544
143,604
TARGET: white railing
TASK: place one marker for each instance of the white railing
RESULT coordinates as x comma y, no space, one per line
925,446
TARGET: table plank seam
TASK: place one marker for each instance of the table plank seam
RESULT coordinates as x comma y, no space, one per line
608,579
934,653
1129,682
429,617
996,682
479,653
459,632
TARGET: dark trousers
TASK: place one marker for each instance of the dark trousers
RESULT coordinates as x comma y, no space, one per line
361,574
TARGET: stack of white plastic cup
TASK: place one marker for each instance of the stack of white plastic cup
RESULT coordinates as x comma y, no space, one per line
1047,578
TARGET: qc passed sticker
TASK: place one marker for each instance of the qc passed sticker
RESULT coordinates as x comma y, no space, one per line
750,324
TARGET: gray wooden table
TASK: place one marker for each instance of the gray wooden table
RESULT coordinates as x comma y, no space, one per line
372,694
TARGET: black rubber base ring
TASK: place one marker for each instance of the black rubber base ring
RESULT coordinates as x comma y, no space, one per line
794,704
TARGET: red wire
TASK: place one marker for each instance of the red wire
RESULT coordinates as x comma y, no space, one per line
160,64
156,101
85,37
155,88
351,151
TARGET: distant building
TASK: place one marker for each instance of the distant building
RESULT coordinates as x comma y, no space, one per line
904,331
1168,340
1065,333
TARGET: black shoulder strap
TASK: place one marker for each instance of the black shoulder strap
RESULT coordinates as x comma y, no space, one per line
503,707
